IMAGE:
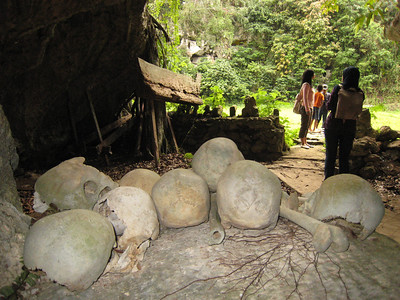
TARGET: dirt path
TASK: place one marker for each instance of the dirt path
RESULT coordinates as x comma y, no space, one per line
303,170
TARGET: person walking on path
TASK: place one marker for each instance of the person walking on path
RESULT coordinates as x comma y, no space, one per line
323,110
307,102
318,100
344,105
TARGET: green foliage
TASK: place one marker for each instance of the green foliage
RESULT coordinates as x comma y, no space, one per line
188,155
170,106
167,12
26,277
291,134
265,101
377,108
267,44
216,98
220,73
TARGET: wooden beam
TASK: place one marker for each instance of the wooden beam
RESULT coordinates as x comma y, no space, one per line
89,97
172,133
112,138
108,128
153,120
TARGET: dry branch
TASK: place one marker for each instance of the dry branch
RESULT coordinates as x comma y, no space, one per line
295,167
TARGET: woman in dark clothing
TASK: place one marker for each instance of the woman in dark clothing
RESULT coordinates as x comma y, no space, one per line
340,132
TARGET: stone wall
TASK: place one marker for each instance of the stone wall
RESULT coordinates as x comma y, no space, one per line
260,139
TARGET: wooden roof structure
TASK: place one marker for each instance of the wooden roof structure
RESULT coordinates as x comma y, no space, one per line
164,85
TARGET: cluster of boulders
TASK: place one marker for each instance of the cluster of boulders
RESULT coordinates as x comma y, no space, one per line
375,152
75,246
103,226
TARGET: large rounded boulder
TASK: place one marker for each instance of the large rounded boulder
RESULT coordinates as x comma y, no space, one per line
71,185
248,196
213,157
181,198
133,215
140,178
349,197
72,247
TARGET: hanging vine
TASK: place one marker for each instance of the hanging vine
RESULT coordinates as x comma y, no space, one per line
165,15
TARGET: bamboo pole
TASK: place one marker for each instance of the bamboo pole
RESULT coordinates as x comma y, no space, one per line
96,123
172,133
153,120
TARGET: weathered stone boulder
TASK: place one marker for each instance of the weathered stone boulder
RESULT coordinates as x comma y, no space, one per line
387,134
395,145
133,215
217,111
212,159
248,196
71,185
181,198
72,247
13,223
372,156
140,178
364,146
232,111
349,197
364,127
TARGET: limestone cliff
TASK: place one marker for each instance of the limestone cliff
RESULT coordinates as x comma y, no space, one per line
55,55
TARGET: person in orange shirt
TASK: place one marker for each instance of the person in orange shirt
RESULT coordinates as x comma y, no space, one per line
318,100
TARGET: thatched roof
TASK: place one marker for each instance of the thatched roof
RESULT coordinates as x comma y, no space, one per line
164,85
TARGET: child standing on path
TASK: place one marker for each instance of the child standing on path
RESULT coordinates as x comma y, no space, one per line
318,100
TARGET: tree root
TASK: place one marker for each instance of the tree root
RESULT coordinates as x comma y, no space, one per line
277,258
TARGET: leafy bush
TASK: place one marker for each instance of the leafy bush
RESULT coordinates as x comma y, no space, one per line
265,101
291,133
267,44
220,73
216,98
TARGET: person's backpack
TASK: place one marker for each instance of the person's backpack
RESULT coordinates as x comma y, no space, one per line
298,103
349,104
